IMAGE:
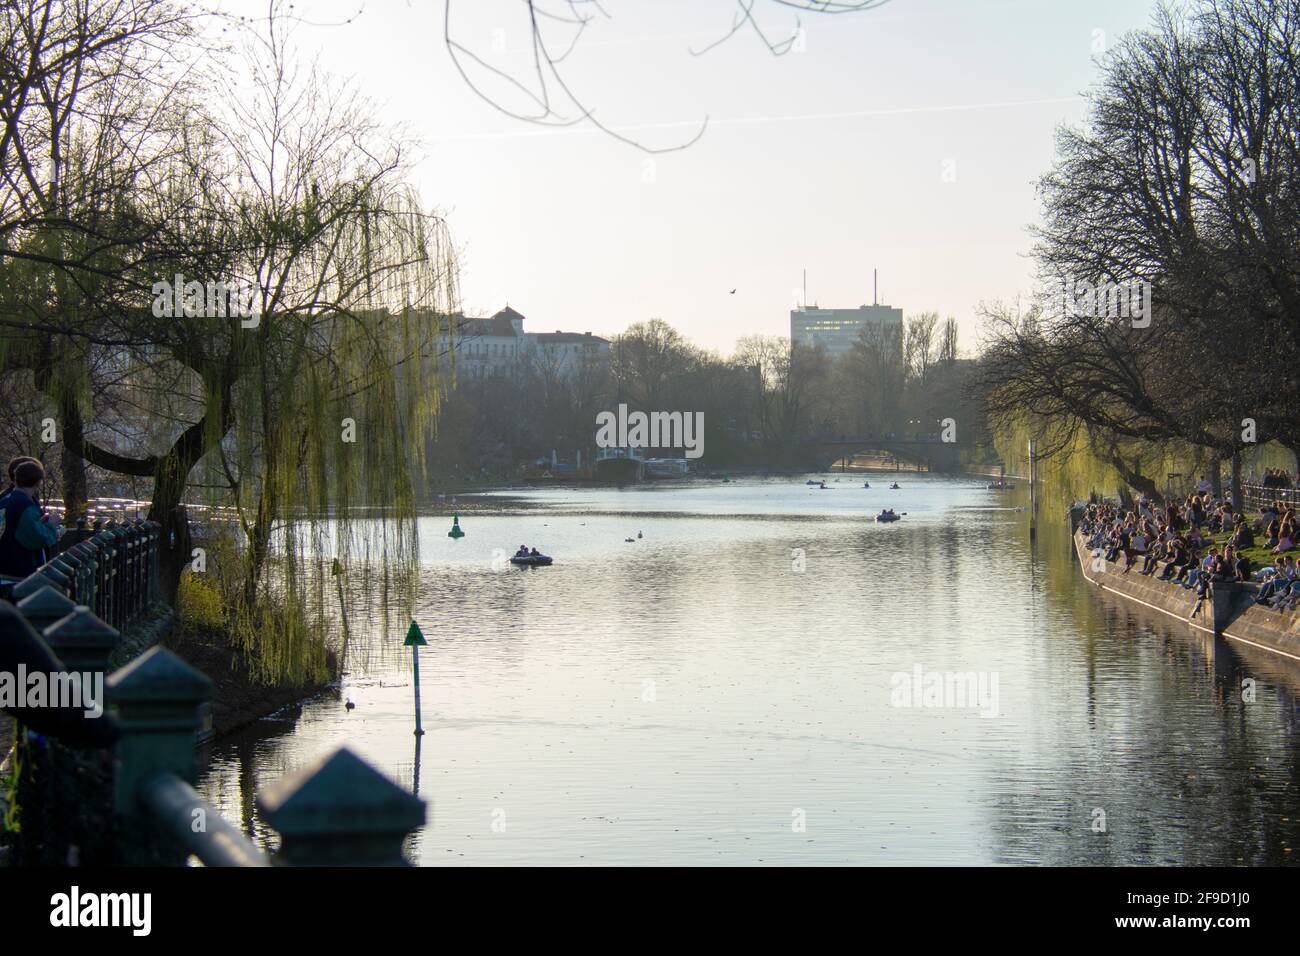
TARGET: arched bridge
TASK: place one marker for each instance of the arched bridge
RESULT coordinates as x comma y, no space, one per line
930,451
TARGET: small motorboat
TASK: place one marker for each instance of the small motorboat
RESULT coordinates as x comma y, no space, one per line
811,482
894,487
866,484
531,560
1000,486
887,516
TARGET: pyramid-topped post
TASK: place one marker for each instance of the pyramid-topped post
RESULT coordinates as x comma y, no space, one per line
37,580
82,641
45,606
340,811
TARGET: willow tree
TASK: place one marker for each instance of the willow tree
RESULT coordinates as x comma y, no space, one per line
82,94
338,387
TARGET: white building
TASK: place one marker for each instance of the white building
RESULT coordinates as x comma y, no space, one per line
836,330
496,346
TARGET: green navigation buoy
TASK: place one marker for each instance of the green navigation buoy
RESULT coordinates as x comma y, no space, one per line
455,531
415,640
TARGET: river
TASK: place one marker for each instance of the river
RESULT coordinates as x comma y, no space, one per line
727,689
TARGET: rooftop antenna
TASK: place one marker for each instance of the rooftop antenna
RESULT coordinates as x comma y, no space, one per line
875,286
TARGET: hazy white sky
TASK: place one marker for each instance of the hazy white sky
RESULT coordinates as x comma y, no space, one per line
831,158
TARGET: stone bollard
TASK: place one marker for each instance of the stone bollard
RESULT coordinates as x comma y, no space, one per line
44,607
340,811
82,641
156,698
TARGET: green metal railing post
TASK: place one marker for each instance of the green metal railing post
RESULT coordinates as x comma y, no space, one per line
42,608
82,641
157,698
340,811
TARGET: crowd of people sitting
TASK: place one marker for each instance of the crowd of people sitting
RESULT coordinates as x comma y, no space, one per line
1177,536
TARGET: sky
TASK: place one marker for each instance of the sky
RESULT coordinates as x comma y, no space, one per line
906,139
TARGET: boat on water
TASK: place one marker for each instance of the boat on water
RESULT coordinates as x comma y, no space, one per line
1000,486
887,516
895,487
531,560
665,468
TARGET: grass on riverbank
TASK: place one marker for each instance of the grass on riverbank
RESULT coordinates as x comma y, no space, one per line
258,663
1258,554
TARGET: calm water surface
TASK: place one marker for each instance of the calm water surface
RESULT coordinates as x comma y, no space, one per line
693,698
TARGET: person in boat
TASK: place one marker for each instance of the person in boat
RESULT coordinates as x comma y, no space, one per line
522,552
533,553
866,484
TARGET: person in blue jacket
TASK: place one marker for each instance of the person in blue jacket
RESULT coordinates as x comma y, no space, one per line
26,532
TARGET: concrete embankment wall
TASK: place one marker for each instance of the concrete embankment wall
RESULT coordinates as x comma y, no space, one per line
1276,631
1232,614
1173,600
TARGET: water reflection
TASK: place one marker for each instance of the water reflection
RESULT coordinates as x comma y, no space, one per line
691,698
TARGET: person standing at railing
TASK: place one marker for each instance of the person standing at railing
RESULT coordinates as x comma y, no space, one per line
26,531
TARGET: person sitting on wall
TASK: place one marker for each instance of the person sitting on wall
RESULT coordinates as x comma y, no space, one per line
27,532
1177,556
1242,536
1287,592
1240,567
1278,581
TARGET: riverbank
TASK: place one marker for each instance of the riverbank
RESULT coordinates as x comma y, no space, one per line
237,699
1231,611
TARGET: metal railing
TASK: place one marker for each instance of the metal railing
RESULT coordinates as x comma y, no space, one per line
1255,497
135,804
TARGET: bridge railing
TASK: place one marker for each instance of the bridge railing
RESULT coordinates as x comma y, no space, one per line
135,803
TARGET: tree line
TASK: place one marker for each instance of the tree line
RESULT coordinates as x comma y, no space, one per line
762,404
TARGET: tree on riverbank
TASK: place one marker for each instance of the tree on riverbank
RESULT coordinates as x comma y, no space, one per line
1185,177
135,152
